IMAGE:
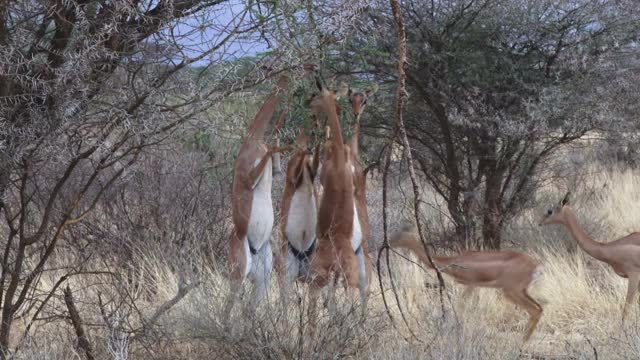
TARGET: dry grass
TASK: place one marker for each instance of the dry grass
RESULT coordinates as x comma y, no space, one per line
582,301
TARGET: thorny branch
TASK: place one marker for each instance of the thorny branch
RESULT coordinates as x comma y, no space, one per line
400,130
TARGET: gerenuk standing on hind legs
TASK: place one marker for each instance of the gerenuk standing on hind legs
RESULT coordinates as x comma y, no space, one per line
334,254
299,213
250,248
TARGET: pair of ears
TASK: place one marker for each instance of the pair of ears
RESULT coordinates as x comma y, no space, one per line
345,90
372,90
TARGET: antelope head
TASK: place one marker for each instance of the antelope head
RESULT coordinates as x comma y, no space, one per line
323,99
358,99
556,214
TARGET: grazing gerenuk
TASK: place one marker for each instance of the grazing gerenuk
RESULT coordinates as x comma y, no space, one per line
623,254
507,270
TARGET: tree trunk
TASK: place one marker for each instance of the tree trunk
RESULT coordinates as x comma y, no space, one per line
5,328
469,226
8,310
4,180
492,215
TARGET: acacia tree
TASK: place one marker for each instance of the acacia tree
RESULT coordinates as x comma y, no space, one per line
86,87
496,87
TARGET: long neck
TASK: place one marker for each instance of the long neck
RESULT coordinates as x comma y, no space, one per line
587,243
354,138
258,127
334,124
408,241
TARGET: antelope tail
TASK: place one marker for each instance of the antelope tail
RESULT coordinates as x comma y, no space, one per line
407,240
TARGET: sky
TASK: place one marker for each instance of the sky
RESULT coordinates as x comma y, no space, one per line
200,32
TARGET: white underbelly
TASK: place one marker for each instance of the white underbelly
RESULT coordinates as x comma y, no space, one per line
356,237
302,218
247,254
261,219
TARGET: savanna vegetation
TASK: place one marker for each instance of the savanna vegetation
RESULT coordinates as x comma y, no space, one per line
120,121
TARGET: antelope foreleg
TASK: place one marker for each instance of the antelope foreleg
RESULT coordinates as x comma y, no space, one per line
254,175
466,294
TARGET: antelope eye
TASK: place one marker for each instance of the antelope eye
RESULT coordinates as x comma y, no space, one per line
549,212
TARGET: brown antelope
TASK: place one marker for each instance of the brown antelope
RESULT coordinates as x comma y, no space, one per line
299,202
358,101
507,270
252,208
623,254
335,252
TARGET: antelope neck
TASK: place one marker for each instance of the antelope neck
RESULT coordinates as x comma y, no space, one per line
587,243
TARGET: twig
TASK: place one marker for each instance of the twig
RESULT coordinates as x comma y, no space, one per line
595,351
385,176
76,321
395,293
162,309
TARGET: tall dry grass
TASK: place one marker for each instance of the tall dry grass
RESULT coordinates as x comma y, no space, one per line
582,301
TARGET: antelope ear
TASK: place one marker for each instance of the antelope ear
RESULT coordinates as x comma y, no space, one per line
565,201
302,139
343,89
373,90
309,67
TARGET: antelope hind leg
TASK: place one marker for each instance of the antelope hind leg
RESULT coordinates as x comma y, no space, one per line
262,265
289,271
240,266
363,281
318,282
632,289
535,311
520,297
